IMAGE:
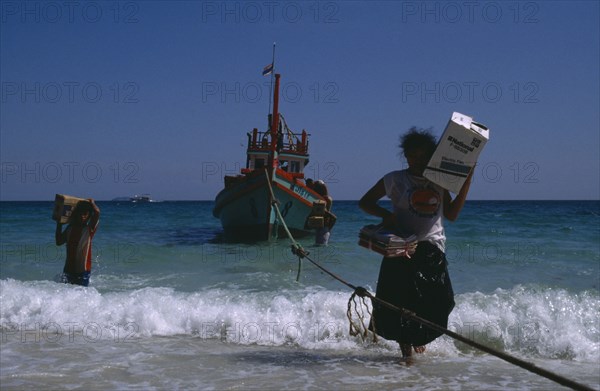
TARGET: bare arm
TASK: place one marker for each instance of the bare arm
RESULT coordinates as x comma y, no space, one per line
452,207
368,203
59,236
95,216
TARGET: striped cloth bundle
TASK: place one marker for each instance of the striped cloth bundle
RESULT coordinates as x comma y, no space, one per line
382,241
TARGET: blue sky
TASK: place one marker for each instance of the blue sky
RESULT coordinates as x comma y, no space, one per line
104,99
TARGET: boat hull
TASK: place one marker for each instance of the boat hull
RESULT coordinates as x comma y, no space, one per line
246,212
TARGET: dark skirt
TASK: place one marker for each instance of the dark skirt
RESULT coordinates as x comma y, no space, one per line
420,284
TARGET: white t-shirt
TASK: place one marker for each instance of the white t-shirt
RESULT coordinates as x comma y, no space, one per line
418,205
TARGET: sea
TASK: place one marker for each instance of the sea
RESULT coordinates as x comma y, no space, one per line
173,306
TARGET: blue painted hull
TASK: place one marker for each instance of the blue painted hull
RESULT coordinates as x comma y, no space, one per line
246,212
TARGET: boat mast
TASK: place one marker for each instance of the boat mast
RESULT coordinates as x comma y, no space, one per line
272,73
275,124
273,161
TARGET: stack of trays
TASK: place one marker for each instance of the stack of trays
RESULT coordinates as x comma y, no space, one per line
376,238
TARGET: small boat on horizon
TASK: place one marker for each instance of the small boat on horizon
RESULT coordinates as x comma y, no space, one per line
141,198
136,199
274,173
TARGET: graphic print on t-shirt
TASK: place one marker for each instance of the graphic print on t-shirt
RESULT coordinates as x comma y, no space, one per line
425,202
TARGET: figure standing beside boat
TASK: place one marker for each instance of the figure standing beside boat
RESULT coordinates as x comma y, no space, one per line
323,233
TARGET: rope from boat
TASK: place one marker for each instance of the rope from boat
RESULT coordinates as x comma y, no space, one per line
296,247
289,131
362,292
355,329
298,250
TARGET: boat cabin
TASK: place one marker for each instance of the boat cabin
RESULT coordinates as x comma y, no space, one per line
292,151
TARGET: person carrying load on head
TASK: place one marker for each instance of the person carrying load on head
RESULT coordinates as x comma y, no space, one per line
78,239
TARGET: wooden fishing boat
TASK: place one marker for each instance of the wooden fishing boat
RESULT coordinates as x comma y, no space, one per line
274,173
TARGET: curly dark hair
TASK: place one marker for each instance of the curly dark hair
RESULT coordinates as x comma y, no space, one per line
83,207
418,138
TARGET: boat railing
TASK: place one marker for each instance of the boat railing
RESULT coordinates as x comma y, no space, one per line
296,143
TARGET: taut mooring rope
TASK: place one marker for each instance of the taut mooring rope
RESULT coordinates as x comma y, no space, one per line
362,292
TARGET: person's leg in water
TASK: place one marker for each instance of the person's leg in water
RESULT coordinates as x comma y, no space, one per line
408,348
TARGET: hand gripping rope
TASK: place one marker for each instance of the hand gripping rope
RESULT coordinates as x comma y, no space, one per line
362,293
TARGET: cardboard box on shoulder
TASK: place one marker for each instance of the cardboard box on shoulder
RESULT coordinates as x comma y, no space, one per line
63,207
315,222
457,152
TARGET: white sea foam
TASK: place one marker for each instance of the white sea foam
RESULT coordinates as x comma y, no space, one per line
545,323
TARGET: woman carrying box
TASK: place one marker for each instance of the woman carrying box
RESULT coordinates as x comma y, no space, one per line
420,283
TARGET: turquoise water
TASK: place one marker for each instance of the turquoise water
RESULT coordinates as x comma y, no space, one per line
190,310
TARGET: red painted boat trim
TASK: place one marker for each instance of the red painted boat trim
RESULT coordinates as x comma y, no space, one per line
293,194
285,176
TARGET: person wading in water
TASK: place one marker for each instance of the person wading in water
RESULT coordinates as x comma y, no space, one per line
420,283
